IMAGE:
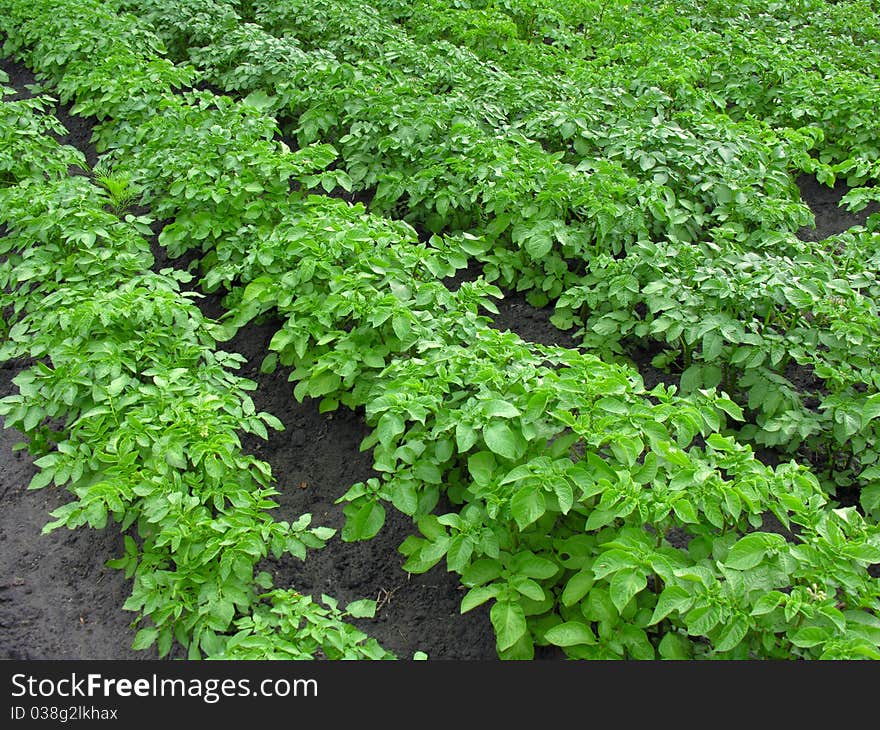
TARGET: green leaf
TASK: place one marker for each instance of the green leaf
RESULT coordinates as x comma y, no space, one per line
523,471
597,606
174,456
612,405
527,505
612,561
564,495
624,585
700,621
504,441
539,244
481,467
673,598
712,345
685,511
364,608
405,497
730,408
323,533
497,408
41,479
223,611
599,518
864,553
364,522
535,567
401,326
599,469
259,100
865,625
712,376
522,651
144,639
577,587
32,418
481,571
767,603
871,409
691,379
427,556
732,634
810,636
509,621
648,470
750,550
465,437
428,472
570,633
478,596
390,425
870,497
845,425
527,587
461,547
636,642
675,647
431,527
116,386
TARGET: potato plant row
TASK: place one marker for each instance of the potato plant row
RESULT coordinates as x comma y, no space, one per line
130,406
593,514
747,59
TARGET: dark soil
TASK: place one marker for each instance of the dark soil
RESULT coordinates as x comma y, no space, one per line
824,202
59,601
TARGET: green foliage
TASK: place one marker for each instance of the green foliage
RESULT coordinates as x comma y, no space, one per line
589,512
28,149
152,415
286,625
120,191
